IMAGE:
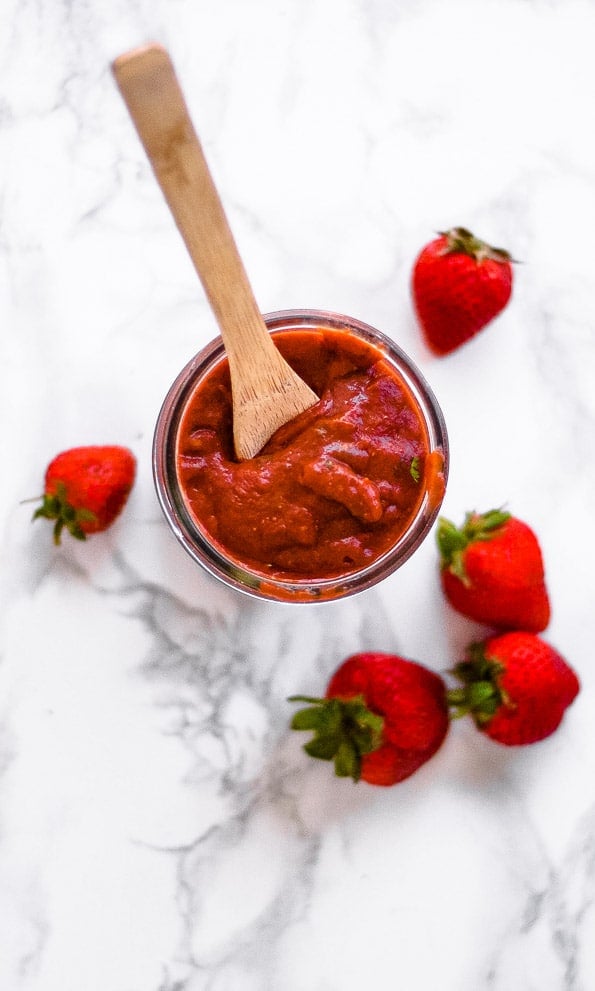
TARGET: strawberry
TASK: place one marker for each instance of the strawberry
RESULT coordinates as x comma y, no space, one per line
381,719
492,571
459,284
515,686
86,488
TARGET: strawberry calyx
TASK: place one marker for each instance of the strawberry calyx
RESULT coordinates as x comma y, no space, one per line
344,730
453,541
480,693
55,506
459,240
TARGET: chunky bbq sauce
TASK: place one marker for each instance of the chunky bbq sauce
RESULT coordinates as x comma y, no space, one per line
335,488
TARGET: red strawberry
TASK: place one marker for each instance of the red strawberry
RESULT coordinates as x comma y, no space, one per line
382,718
515,686
492,571
459,284
86,488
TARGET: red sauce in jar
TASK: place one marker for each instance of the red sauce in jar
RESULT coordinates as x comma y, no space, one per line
335,488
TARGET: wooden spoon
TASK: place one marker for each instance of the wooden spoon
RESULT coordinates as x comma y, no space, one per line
266,392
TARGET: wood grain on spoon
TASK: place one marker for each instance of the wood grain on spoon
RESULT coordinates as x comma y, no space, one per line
266,392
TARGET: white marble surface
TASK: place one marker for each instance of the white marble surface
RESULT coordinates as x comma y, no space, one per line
160,827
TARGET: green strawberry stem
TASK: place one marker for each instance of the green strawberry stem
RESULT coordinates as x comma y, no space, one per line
480,693
453,541
462,241
344,730
57,507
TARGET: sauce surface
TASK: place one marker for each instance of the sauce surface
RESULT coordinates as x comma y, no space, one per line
333,489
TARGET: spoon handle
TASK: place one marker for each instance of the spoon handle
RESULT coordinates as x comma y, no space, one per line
148,83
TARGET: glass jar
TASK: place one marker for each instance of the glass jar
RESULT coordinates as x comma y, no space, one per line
257,581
